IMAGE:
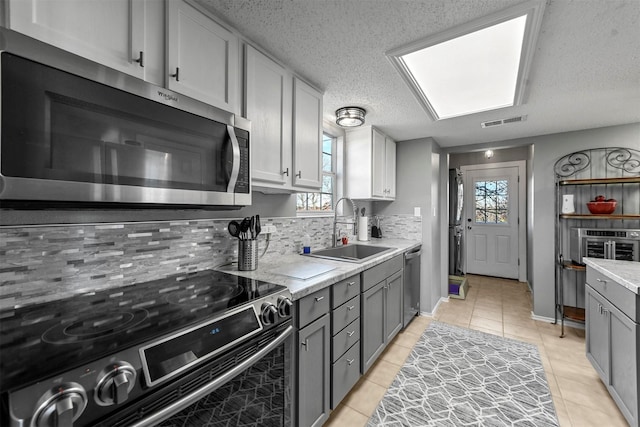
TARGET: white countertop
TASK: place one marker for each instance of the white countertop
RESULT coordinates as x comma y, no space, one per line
626,273
272,269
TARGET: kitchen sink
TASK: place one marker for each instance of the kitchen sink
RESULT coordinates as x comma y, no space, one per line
350,253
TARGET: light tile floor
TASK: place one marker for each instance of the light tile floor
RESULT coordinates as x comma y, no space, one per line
501,307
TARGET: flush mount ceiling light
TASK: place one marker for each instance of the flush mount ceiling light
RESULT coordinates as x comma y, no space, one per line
479,66
350,116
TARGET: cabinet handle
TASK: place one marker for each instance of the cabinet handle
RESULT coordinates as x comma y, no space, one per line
177,74
299,174
140,59
351,283
319,299
351,333
286,172
305,343
601,281
351,307
350,361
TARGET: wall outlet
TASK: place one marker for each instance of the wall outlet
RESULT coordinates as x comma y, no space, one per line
416,211
267,229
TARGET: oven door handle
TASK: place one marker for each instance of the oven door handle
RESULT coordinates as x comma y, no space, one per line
198,394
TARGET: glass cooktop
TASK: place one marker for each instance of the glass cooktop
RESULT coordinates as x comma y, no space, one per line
42,340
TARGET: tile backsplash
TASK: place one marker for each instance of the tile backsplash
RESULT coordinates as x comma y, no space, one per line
46,263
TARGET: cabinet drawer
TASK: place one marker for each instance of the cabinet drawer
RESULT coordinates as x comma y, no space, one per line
621,297
313,306
344,290
377,274
345,314
345,373
344,339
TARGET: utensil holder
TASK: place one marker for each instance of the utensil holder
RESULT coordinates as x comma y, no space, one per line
247,255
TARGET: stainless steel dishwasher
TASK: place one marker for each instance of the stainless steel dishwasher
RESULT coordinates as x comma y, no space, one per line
411,284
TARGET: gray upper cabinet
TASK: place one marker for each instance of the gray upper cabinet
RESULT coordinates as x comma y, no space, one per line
286,126
268,104
111,33
202,57
612,340
370,164
307,136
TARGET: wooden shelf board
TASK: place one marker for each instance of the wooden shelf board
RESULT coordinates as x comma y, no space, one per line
590,216
574,313
568,265
595,181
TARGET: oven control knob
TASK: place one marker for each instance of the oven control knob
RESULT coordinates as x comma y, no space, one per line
268,313
284,306
115,382
60,406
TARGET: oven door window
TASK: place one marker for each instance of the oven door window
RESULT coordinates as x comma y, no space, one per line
58,126
259,396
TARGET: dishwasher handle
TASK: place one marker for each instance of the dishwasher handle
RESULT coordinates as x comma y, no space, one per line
413,254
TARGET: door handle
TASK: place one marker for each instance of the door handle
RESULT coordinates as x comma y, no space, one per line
468,227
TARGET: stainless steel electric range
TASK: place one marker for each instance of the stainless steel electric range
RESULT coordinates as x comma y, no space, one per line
194,349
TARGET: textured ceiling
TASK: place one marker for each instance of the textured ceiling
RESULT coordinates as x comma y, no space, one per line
585,71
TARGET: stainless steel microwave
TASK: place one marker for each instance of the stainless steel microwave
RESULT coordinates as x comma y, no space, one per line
76,132
619,244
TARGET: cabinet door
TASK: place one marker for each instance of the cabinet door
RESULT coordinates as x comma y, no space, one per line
597,334
307,136
378,164
373,324
393,305
202,57
268,105
314,373
108,32
390,168
623,377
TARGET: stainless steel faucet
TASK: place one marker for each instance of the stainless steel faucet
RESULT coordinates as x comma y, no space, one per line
334,236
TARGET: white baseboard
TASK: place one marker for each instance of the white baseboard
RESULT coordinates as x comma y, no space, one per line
567,322
435,309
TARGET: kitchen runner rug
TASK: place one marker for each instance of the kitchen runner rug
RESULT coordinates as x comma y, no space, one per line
460,377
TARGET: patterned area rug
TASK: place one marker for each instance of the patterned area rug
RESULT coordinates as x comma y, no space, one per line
460,377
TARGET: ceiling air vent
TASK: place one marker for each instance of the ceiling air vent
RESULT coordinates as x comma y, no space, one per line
501,122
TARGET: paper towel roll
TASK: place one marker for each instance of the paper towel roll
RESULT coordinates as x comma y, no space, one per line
363,228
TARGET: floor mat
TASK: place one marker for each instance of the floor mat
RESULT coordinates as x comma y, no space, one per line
460,377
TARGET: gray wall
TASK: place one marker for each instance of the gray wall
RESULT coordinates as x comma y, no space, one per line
418,184
548,149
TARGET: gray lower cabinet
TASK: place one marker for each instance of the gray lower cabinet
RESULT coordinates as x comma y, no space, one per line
612,337
314,359
382,302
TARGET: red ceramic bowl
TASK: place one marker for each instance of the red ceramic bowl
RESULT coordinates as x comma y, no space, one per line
601,208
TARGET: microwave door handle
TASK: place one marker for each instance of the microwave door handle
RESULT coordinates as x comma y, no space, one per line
235,170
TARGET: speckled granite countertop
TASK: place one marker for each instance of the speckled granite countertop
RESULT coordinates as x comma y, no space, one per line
272,268
626,273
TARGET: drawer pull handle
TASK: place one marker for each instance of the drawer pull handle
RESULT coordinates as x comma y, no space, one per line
350,361
319,299
351,283
305,343
351,333
351,307
601,281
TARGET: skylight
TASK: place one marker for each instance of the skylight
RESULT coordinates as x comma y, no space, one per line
477,67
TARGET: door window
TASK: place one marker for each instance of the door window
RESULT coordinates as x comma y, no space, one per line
492,202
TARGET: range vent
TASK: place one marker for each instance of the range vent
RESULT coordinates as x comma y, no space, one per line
501,122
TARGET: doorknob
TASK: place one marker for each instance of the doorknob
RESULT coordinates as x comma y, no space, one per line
468,227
